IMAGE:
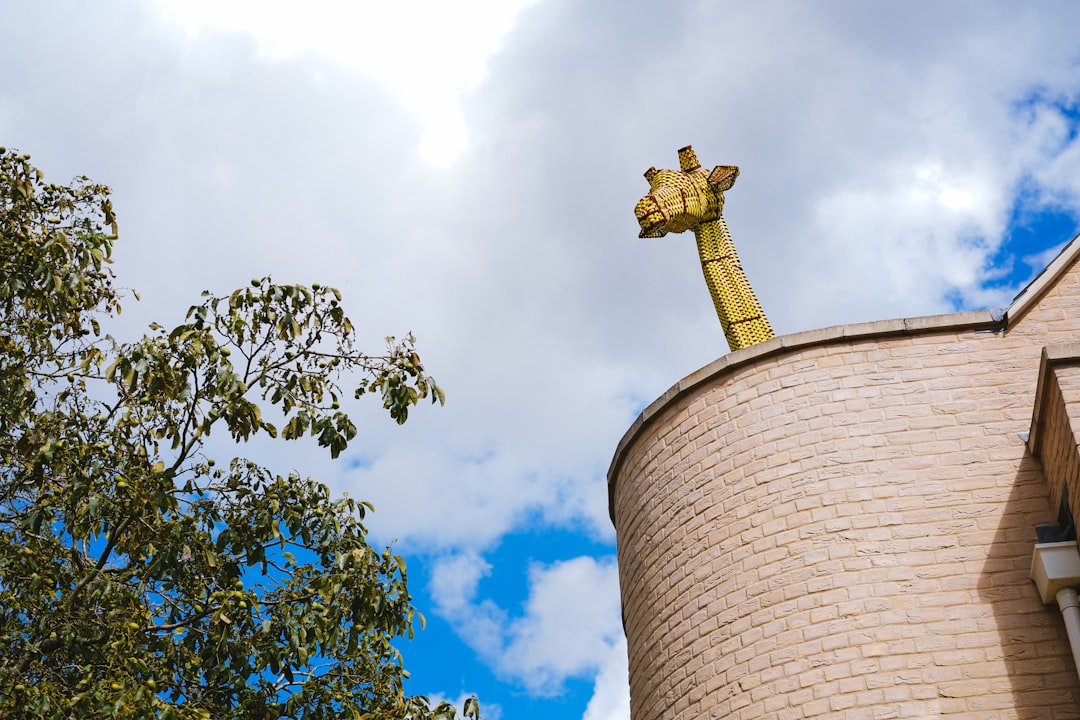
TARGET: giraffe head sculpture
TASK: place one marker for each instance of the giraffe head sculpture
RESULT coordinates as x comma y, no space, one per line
691,199
680,200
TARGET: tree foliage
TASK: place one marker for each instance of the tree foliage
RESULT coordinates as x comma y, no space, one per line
138,578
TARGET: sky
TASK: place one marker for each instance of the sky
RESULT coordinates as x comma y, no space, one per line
468,171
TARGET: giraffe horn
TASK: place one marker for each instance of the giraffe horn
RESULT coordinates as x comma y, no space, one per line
688,161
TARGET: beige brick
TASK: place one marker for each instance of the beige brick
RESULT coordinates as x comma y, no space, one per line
839,524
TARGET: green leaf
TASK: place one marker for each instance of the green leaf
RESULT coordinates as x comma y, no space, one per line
140,579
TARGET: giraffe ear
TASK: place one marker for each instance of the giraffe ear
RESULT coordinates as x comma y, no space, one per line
723,177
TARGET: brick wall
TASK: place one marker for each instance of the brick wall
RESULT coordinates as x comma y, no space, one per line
1055,426
840,525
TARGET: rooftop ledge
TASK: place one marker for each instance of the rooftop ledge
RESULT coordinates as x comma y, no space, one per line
989,320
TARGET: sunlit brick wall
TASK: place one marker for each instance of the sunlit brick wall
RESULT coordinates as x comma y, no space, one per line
839,524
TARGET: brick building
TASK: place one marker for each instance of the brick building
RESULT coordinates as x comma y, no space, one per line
840,523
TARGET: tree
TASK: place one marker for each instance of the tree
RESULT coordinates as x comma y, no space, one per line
138,578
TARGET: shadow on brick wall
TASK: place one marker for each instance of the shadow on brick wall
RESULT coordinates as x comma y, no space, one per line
1033,649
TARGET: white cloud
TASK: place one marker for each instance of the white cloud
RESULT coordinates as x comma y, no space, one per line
572,613
454,579
611,694
453,586
569,626
429,53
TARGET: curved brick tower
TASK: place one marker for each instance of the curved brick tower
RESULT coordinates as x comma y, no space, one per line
840,523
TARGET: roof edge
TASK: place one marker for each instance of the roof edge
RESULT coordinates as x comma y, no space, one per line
992,320
1045,280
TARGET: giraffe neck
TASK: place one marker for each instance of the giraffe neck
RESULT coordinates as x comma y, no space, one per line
740,313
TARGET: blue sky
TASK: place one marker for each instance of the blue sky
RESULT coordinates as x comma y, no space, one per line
468,171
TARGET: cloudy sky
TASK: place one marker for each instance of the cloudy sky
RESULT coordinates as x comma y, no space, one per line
468,171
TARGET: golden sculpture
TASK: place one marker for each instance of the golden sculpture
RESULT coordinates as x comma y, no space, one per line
692,199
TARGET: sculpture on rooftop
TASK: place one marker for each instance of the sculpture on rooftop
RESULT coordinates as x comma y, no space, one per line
692,199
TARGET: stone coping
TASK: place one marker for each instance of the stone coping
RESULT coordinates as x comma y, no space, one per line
985,320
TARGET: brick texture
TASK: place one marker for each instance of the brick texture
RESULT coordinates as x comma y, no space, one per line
845,529
1058,423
